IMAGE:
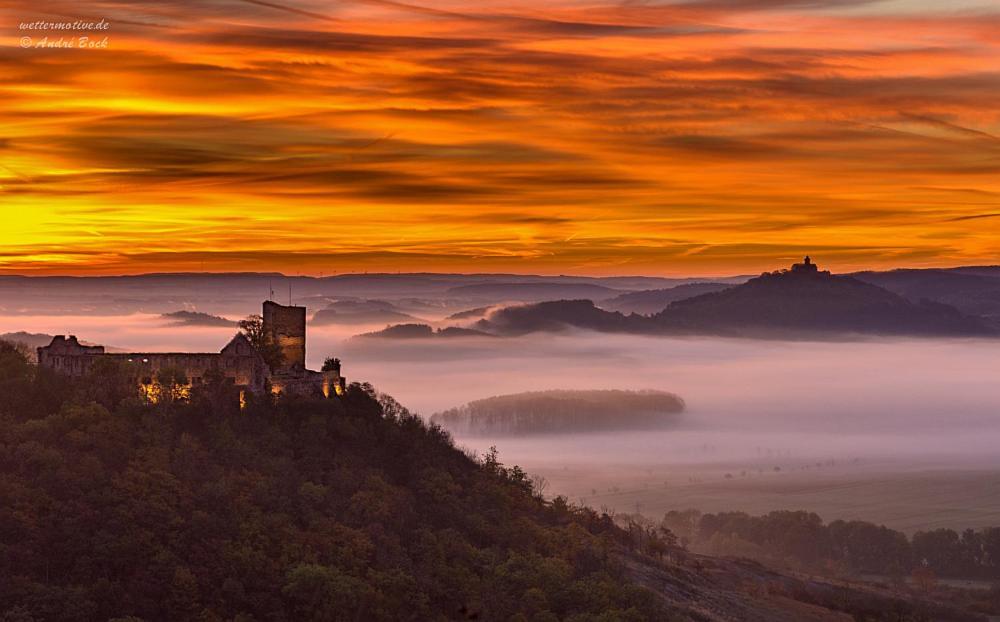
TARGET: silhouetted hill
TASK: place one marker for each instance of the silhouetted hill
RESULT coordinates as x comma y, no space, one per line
238,294
974,291
562,411
196,318
361,312
470,314
993,271
531,292
422,331
812,301
559,315
651,301
455,331
788,303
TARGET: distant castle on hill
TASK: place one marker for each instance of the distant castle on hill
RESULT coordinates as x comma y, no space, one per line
806,268
240,363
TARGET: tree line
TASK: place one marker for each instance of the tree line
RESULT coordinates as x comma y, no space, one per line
859,547
561,411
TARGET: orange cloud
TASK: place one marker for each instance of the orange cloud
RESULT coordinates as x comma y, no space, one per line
697,137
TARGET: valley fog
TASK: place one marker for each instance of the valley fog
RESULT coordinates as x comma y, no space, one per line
884,430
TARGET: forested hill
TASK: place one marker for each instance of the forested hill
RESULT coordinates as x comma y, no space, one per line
345,509
348,509
789,301
783,304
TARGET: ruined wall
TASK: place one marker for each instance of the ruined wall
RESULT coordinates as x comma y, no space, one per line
241,361
307,383
66,356
238,361
286,326
146,365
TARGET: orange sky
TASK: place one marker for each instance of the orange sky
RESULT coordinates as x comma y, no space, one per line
633,137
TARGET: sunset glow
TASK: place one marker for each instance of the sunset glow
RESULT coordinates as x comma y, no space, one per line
637,137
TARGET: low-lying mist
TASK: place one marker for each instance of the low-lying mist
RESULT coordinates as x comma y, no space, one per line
809,411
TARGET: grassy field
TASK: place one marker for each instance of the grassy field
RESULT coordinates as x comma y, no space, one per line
910,498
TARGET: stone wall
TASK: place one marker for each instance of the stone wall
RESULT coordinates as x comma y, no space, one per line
66,356
286,326
238,361
308,383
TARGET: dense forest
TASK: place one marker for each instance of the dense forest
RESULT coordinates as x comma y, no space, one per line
801,539
349,509
346,509
562,412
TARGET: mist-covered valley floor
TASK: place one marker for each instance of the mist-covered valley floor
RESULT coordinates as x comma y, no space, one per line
887,430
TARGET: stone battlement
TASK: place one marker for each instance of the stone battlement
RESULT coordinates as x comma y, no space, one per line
239,361
286,327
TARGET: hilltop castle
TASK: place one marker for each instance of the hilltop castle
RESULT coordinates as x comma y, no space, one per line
806,268
239,362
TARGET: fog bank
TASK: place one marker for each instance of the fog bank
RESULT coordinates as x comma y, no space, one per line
822,411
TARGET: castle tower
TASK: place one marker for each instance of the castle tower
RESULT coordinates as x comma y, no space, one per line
286,326
806,267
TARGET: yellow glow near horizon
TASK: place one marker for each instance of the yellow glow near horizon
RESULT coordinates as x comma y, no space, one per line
624,138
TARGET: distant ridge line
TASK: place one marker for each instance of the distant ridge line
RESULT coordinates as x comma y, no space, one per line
461,274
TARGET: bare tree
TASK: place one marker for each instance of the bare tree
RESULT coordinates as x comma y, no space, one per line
253,328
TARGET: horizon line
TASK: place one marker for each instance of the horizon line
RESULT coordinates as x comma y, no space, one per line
322,276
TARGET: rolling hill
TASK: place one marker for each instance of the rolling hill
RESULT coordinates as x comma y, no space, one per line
361,312
974,291
810,301
649,301
196,318
799,302
531,292
421,331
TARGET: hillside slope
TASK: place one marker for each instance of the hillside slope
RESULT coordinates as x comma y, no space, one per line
814,301
329,510
332,510
531,292
787,303
970,290
650,301
361,312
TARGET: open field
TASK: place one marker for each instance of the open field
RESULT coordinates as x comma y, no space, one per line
907,498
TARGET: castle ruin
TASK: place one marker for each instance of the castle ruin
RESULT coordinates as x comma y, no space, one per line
239,362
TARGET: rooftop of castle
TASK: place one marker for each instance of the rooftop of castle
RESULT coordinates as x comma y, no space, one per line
806,266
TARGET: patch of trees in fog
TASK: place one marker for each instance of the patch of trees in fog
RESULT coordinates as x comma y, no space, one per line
561,411
801,539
